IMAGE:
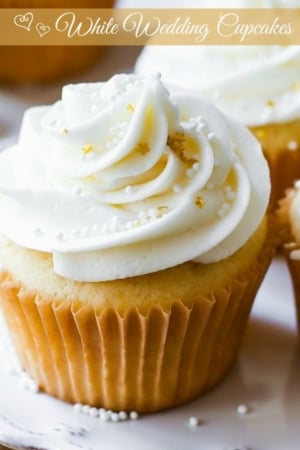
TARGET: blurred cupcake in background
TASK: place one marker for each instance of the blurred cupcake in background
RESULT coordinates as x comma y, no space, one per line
288,215
258,85
40,64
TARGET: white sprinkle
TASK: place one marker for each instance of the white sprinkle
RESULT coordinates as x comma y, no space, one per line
190,173
77,407
113,227
93,412
77,190
211,136
292,145
129,189
242,409
200,127
142,215
123,415
104,416
152,213
193,422
177,188
129,225
297,184
86,409
196,166
133,415
114,417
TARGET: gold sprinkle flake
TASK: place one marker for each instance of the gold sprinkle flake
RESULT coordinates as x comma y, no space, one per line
177,143
162,210
199,201
183,146
143,148
87,149
64,131
270,103
130,107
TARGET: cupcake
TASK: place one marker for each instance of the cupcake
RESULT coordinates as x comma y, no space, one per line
258,85
134,237
289,220
41,64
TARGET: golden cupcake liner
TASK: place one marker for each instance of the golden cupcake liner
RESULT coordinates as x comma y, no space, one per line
294,270
281,148
284,170
132,361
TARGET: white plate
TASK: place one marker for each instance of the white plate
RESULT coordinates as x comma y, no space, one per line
265,379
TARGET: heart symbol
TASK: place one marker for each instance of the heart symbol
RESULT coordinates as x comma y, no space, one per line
24,20
42,29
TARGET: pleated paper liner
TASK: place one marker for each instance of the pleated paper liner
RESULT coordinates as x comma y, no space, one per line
135,361
281,146
294,270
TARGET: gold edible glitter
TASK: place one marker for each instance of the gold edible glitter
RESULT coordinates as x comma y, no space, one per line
162,210
143,148
130,107
270,103
199,201
185,147
177,143
87,149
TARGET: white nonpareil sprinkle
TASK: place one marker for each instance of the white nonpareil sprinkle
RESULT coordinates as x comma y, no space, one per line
223,210
133,415
77,190
193,421
176,188
211,136
242,409
105,415
292,145
129,189
297,184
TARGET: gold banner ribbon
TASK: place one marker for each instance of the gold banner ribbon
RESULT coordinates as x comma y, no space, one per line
47,26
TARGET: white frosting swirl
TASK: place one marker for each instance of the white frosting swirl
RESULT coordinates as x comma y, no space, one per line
121,178
255,84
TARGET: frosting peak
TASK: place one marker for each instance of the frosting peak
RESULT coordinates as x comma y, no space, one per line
122,178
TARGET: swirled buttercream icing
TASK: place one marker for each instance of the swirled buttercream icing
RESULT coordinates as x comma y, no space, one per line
124,178
255,84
